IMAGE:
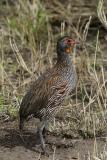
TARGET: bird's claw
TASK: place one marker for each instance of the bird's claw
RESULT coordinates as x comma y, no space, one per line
45,153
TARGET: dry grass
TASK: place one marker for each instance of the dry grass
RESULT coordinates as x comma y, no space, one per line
27,39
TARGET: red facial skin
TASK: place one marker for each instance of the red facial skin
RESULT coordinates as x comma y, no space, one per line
70,42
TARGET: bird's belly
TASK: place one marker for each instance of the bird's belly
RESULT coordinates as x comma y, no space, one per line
73,82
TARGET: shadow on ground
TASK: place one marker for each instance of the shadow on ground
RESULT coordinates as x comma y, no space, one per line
14,146
11,138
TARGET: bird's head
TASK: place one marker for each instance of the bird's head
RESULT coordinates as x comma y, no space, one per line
65,45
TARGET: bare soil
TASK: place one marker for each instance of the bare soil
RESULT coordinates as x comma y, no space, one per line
13,146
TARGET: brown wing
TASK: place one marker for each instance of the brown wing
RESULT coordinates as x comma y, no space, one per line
46,92
35,98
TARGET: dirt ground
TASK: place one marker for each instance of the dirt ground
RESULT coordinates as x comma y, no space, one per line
14,147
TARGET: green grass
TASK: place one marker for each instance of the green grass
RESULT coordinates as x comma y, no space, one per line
1,104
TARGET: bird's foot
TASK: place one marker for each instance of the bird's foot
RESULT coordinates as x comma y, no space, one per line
40,141
43,147
44,152
41,150
21,136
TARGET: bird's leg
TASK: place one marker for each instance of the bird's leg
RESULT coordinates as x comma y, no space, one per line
21,124
40,133
45,129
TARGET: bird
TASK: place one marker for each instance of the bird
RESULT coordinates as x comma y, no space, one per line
45,96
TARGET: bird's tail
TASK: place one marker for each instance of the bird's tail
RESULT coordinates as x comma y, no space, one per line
21,124
21,121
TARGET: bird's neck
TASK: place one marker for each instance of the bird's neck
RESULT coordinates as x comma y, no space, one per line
64,59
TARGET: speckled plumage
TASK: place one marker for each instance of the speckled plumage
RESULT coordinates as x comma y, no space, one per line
47,93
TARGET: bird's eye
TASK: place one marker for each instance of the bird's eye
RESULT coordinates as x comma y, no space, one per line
68,41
